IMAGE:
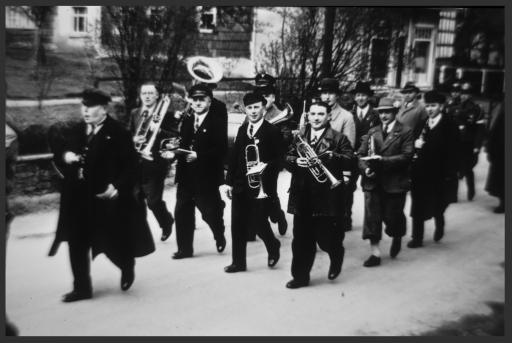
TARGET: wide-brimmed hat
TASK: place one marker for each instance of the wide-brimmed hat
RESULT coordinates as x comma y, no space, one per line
410,87
363,87
329,85
94,97
434,97
387,104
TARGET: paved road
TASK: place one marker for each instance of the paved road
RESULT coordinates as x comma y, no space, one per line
418,291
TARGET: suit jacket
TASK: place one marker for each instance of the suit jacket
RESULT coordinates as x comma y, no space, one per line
308,195
370,120
270,146
109,158
392,172
412,116
434,170
210,143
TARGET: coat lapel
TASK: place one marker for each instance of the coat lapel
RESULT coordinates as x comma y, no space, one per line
392,136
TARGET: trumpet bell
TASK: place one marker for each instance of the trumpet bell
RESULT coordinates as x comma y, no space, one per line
205,69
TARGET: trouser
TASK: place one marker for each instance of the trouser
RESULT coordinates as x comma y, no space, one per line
349,198
379,207
307,232
153,179
247,211
209,204
418,226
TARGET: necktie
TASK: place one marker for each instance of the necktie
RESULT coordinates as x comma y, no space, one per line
385,131
90,132
251,127
360,115
314,140
196,124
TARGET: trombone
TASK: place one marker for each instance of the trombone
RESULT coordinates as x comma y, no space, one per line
316,167
255,169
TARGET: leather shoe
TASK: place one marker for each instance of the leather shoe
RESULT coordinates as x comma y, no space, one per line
180,254
372,261
282,225
334,270
414,244
166,233
274,256
76,295
438,233
221,244
127,278
233,268
396,245
294,283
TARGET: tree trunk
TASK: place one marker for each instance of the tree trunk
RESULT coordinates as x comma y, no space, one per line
328,39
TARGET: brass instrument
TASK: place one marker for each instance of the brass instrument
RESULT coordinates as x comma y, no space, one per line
150,126
255,169
205,69
371,146
284,115
316,167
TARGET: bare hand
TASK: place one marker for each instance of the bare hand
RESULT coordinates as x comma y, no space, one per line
111,193
191,157
168,155
418,144
368,172
139,139
226,189
302,162
70,157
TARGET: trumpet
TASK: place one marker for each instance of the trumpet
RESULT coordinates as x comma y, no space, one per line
316,167
150,126
255,169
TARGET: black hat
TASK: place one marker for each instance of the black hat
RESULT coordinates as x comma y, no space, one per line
410,87
434,97
253,97
466,88
329,85
455,87
200,90
264,80
363,87
94,97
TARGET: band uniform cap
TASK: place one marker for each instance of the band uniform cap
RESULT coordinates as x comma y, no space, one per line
252,98
410,87
329,85
466,87
455,87
200,90
94,97
387,104
434,97
363,87
264,80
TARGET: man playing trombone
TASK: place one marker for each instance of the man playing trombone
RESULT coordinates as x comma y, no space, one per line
253,167
316,195
143,123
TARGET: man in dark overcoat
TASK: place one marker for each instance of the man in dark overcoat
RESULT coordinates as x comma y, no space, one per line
495,184
247,210
317,207
153,169
101,205
384,159
412,112
200,171
365,117
469,118
434,170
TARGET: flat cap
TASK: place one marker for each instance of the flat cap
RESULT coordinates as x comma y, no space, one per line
410,87
434,97
94,97
253,97
200,90
329,85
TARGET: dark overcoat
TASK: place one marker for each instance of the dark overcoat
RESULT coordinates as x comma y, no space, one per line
496,152
412,116
467,116
320,199
370,120
392,171
109,158
434,170
210,143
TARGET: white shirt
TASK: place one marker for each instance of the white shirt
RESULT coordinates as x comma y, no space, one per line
255,127
316,134
432,122
390,126
361,112
199,118
95,128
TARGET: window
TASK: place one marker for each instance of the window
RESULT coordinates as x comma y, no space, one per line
446,34
80,19
207,18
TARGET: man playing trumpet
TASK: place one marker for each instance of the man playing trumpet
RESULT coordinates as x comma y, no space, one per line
153,172
258,143
317,205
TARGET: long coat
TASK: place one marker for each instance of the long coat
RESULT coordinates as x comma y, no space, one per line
495,184
210,143
109,158
370,120
320,199
392,172
434,170
412,116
